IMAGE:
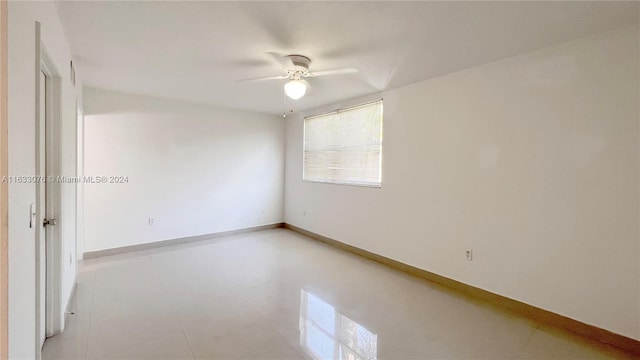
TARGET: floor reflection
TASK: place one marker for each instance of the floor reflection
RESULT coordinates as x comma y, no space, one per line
328,334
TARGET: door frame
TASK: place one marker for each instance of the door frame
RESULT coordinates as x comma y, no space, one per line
80,184
4,239
54,256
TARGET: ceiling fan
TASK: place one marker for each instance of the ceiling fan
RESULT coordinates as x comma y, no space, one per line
296,68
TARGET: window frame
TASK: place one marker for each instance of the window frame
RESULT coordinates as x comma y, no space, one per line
337,111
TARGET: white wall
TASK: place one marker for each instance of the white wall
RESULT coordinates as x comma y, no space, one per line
194,169
532,162
22,72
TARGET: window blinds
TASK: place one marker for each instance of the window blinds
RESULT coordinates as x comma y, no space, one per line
345,146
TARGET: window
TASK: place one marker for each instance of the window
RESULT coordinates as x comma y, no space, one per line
345,146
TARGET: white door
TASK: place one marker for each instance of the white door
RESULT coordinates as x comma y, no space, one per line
41,211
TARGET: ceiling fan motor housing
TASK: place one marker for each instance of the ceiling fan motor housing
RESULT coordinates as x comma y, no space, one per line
300,62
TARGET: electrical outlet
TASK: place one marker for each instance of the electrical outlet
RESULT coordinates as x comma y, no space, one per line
469,254
152,221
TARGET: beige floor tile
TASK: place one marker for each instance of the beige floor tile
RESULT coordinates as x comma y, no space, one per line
551,343
278,349
278,295
234,343
169,347
218,318
108,338
61,348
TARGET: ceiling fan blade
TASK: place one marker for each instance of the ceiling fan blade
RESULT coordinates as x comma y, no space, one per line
277,77
282,60
334,72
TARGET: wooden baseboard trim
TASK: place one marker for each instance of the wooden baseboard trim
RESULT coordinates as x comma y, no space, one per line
178,241
514,306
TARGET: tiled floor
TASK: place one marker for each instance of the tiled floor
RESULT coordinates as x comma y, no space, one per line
279,295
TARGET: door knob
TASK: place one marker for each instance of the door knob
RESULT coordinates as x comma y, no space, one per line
49,222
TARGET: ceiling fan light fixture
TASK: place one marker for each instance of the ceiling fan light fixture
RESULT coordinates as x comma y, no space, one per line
295,89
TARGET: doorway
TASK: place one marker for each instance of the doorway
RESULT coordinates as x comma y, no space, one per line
41,213
49,309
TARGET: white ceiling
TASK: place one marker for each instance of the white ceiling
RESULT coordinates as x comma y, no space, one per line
197,51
